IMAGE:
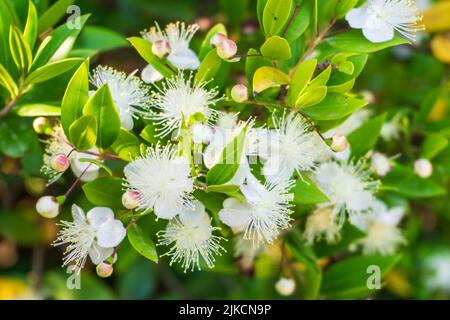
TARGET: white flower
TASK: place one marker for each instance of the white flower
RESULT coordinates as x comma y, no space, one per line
58,144
191,237
246,252
350,124
128,92
162,180
378,19
437,268
178,36
391,129
201,133
178,99
346,185
380,224
380,164
95,234
322,223
265,212
291,147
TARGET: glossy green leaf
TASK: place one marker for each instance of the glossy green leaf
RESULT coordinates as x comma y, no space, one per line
300,79
51,70
20,50
268,77
31,28
53,14
7,82
127,145
275,15
276,48
83,133
208,68
94,39
334,106
299,23
38,110
253,64
306,192
142,243
311,97
105,192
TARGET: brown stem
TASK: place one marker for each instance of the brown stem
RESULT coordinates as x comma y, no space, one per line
8,107
240,56
290,20
77,180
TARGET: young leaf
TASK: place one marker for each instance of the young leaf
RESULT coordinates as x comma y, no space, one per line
276,48
127,145
51,70
142,243
334,106
253,64
208,68
20,50
7,82
105,192
306,192
75,97
300,80
38,110
31,28
102,107
268,77
311,97
83,133
275,15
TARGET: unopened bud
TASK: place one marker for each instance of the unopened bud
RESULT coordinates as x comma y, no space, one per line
60,162
42,125
104,270
338,143
226,49
161,48
217,39
285,286
130,199
48,207
239,93
423,168
380,164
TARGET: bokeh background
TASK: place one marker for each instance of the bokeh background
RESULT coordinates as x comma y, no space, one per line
411,81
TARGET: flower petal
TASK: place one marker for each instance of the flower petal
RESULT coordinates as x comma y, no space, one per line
150,74
193,216
78,214
110,234
235,214
165,209
99,254
383,32
184,59
99,215
357,17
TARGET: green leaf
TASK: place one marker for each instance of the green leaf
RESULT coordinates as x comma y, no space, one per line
268,77
53,14
83,133
354,41
105,192
275,15
340,78
276,48
127,145
58,44
344,6
20,50
75,97
311,97
306,192
334,106
229,189
96,39
300,22
300,80
51,70
142,243
208,68
149,134
229,162
434,143
260,5
101,106
253,64
206,44
364,138
31,28
16,136
144,48
347,279
7,82
38,110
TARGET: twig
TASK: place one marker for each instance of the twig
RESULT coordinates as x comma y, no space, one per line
77,180
290,20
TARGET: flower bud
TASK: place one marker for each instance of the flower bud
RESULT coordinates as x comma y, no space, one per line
42,125
48,207
380,164
60,162
161,48
226,49
104,270
239,93
423,168
130,199
338,143
217,39
285,286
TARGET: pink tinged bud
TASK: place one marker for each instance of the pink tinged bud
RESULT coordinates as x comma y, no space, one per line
42,125
104,270
239,93
217,39
48,207
161,48
338,143
130,199
285,286
423,168
60,162
227,49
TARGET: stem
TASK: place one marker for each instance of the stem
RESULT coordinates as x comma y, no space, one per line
8,107
290,20
77,180
240,56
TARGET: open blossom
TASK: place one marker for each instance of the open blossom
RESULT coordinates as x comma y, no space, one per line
381,226
347,186
162,181
391,129
191,237
264,214
437,268
57,145
178,37
178,99
128,92
378,19
95,235
290,147
322,223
